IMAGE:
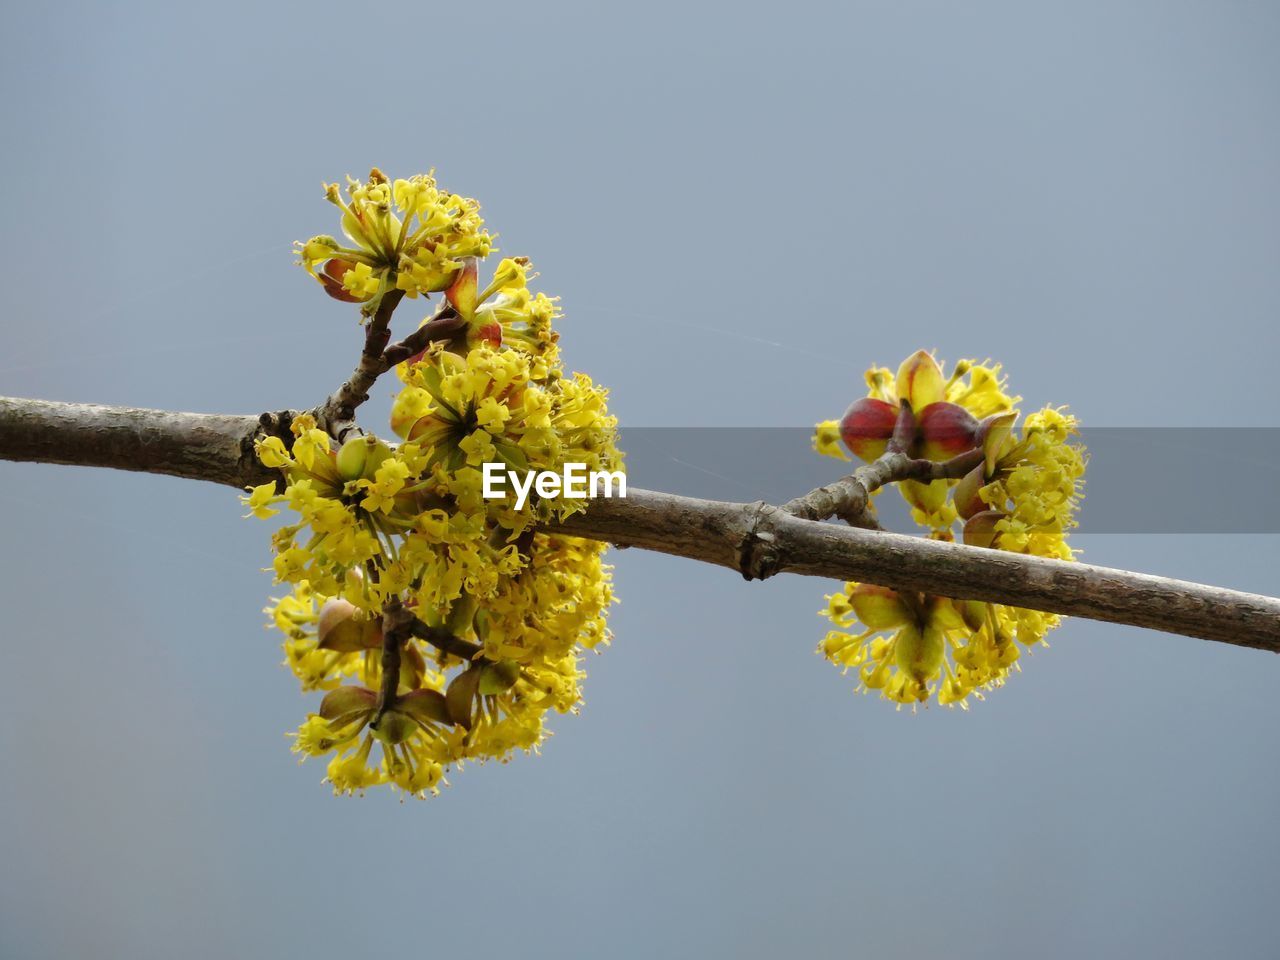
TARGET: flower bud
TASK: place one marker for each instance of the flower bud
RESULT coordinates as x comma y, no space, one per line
966,494
338,628
496,678
413,667
973,612
867,426
461,615
878,607
980,529
996,436
426,706
945,430
462,293
460,697
952,614
352,456
361,457
490,333
920,381
394,726
347,701
919,653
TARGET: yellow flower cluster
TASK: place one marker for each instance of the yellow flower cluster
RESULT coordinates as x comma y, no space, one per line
475,680
396,556
1021,496
406,235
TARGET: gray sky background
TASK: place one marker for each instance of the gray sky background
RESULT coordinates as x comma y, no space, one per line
742,207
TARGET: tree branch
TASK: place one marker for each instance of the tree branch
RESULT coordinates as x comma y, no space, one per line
756,539
396,629
443,326
848,497
337,414
197,446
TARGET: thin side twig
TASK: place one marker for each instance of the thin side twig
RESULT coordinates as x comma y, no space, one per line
848,498
337,414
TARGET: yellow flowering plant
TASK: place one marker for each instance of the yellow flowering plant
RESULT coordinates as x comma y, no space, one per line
440,622
953,447
440,625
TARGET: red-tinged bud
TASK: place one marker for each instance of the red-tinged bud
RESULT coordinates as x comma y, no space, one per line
980,529
878,607
945,430
490,333
339,629
996,436
920,380
463,292
867,426
347,701
331,275
966,494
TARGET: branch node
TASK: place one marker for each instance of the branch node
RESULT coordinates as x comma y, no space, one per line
758,557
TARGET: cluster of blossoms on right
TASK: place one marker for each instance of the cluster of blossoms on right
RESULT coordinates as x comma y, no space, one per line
1021,496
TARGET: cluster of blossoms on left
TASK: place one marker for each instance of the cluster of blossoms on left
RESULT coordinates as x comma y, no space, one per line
442,625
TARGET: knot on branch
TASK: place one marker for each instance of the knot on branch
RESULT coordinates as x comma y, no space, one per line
758,553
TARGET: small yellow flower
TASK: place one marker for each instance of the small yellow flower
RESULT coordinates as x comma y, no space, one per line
291,564
259,501
492,415
361,282
271,451
826,440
